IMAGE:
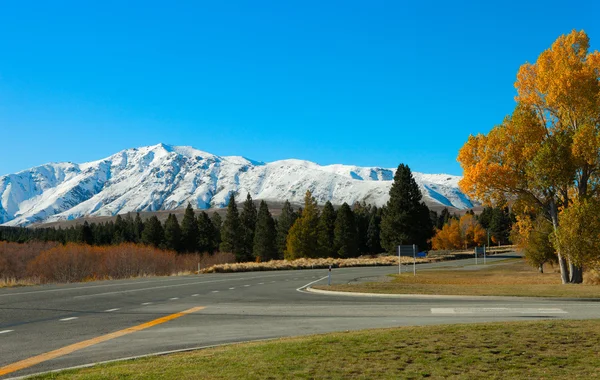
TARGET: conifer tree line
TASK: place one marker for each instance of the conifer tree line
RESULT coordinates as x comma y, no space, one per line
253,234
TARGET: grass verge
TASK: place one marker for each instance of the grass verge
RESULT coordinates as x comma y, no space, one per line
543,349
512,278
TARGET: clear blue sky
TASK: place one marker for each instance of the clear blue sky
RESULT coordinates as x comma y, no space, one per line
371,83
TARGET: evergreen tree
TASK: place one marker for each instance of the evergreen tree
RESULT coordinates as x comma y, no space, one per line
345,233
138,228
500,225
405,219
207,234
173,234
443,219
231,231
87,236
118,235
265,248
189,230
302,238
128,225
217,222
361,220
284,223
153,233
248,219
373,242
325,229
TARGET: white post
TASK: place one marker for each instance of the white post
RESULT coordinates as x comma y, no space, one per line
475,255
399,262
198,267
414,260
484,255
329,278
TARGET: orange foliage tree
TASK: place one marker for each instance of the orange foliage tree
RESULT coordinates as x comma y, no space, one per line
546,154
460,234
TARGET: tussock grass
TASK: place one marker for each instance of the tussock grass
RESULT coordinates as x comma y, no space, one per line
14,282
513,278
515,350
363,261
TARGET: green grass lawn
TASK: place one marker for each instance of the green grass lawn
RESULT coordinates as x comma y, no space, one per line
543,349
511,278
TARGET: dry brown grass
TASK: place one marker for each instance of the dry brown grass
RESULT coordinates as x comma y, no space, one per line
14,282
513,278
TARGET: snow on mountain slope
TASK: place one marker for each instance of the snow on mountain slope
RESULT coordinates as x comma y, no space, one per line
164,177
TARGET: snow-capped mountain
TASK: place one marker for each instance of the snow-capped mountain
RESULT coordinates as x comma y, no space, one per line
164,177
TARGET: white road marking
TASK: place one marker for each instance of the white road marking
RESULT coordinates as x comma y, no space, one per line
231,288
261,283
195,295
442,310
301,289
496,310
109,310
6,331
151,288
273,282
147,303
173,299
68,319
215,291
245,286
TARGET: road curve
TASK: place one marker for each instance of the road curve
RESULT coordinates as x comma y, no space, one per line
106,320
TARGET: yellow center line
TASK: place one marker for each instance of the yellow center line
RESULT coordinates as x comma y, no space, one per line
26,363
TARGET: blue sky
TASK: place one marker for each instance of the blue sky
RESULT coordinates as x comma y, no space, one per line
372,83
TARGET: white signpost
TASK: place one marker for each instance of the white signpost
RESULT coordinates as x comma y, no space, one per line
480,251
408,251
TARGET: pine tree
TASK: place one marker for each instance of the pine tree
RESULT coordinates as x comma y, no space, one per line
443,219
207,234
361,220
118,235
302,238
284,223
189,231
325,229
87,236
172,233
345,233
248,219
217,222
138,227
405,219
153,233
373,242
265,248
231,231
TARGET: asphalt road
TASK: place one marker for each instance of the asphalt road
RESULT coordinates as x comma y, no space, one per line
236,307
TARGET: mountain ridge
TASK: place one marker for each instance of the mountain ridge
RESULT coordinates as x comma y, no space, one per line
167,177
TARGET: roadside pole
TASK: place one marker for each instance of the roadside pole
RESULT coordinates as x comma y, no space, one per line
414,259
198,267
399,262
329,277
484,255
475,255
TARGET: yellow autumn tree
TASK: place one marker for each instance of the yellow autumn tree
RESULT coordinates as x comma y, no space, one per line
546,154
459,234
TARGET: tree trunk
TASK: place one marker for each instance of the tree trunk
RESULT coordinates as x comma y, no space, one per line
576,273
562,262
